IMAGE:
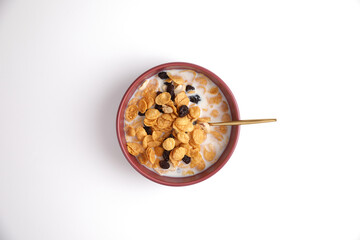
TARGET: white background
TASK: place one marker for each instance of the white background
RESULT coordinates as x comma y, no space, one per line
64,66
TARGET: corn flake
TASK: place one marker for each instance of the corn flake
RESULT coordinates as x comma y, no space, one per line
131,113
226,117
152,114
214,90
182,99
150,155
194,112
163,98
140,133
199,136
169,144
134,148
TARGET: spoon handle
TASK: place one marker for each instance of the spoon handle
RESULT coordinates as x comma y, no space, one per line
242,122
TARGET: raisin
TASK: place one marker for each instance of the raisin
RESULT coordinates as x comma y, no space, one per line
157,93
167,83
141,114
186,159
164,164
163,75
189,88
183,111
172,96
148,130
171,136
166,155
170,88
159,107
195,99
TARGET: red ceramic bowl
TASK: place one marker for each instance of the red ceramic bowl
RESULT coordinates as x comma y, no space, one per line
181,181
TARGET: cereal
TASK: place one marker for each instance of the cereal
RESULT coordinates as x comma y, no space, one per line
194,112
214,90
226,117
209,152
140,133
131,113
150,155
181,99
198,136
156,135
134,148
159,151
217,135
202,80
183,137
152,114
214,113
215,100
166,123
163,98
168,144
142,106
130,131
176,79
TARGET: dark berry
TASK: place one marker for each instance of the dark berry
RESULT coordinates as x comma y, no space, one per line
186,159
163,75
148,130
164,164
172,96
158,92
171,136
167,83
170,88
195,99
166,155
183,111
141,114
189,88
159,107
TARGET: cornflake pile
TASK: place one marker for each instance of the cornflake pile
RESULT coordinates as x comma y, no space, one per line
171,133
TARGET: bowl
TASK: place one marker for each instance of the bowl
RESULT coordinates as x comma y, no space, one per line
188,180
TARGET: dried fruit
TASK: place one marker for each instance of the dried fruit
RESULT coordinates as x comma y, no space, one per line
148,130
189,88
164,164
186,159
163,75
183,111
166,155
195,99
159,107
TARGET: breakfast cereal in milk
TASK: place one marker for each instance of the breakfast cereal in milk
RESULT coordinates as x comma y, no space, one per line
166,123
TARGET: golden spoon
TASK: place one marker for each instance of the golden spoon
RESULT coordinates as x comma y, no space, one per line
242,122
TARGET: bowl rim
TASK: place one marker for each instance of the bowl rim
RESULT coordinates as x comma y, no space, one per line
158,68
